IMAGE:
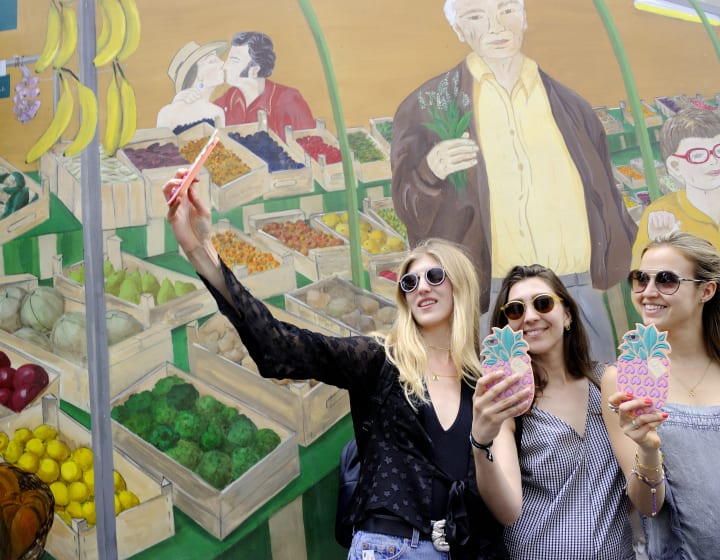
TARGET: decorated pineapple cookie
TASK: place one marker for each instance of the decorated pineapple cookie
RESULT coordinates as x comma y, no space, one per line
505,350
644,367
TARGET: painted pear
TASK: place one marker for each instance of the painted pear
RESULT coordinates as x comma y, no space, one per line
137,278
166,292
114,281
182,288
78,274
129,290
150,285
108,268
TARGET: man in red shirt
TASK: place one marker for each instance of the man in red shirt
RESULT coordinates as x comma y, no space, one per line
249,62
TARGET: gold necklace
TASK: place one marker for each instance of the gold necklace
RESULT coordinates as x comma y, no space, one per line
438,347
691,390
435,376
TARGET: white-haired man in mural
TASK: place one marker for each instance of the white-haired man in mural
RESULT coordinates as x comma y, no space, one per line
498,156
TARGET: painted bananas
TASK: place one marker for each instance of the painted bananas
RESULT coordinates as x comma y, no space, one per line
129,109
68,44
104,35
113,117
52,39
132,30
116,34
88,123
58,124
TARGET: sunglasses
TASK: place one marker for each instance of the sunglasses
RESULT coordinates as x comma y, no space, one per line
434,276
666,281
700,155
542,303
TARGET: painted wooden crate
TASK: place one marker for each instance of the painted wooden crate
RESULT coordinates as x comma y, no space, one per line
329,176
156,171
383,275
341,307
629,176
173,313
307,407
262,283
320,262
290,182
218,511
35,212
650,114
122,190
228,194
377,208
134,533
371,171
379,128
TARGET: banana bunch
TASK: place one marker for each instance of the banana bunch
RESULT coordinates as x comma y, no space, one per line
121,118
63,115
120,33
61,36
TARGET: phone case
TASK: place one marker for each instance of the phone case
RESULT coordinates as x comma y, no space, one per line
644,366
505,350
196,165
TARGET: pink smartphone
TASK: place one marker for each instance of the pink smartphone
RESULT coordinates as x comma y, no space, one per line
644,366
196,165
506,351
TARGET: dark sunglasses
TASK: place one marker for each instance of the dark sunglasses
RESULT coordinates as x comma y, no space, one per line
666,281
434,276
542,303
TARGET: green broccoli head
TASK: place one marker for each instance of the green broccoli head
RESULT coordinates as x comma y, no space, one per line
163,413
185,452
213,437
242,431
216,468
140,423
190,425
208,406
163,437
242,459
119,413
138,402
225,417
163,385
265,441
183,396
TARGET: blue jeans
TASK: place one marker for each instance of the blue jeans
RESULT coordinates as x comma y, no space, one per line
376,546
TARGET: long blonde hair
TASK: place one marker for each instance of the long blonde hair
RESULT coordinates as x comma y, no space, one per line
404,343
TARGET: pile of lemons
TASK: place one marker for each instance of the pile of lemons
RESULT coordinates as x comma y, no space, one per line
68,472
374,240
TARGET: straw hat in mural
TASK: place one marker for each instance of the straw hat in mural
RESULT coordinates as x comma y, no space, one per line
188,56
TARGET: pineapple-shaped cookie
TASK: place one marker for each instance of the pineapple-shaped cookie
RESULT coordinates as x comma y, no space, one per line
505,350
644,367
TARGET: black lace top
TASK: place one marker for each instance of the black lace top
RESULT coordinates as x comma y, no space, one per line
398,471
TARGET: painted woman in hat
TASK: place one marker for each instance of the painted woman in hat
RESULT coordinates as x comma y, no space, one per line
198,68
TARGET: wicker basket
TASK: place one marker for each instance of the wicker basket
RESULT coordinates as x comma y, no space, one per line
28,481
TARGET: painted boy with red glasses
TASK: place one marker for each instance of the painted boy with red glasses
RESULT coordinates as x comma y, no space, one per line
690,146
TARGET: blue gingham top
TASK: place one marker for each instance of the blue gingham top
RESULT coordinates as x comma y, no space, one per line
574,501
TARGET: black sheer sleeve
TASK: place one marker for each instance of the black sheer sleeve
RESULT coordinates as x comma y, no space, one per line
284,351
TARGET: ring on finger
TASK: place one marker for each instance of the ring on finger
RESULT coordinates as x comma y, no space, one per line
634,423
614,408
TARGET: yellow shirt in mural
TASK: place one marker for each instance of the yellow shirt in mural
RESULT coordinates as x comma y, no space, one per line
690,218
537,203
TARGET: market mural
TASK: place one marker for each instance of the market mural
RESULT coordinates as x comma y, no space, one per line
210,460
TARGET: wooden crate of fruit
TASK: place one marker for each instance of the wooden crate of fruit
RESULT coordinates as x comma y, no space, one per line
307,407
383,211
372,161
610,123
650,114
24,380
376,237
382,130
77,540
237,176
341,307
289,166
667,106
332,257
382,271
122,190
324,152
165,297
154,153
218,511
24,203
261,270
629,176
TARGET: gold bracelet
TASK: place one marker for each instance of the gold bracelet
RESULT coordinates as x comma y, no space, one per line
656,468
653,484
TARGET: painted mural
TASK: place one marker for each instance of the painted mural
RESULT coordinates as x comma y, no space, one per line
462,123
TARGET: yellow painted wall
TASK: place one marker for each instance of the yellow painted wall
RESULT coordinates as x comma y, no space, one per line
381,49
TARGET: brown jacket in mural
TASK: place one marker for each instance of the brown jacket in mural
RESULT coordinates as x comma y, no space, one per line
431,207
